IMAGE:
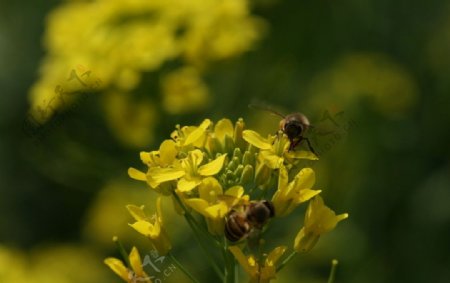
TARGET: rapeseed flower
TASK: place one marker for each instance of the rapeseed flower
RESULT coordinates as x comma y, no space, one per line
119,44
131,274
151,227
319,219
215,172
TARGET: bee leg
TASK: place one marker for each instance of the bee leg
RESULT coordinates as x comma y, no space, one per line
294,144
310,147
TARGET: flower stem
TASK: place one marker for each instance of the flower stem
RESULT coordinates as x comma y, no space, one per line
229,263
194,222
122,250
334,264
286,260
198,237
181,267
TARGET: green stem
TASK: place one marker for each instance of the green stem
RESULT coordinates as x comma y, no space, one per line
286,260
198,237
185,271
229,263
122,250
334,264
194,222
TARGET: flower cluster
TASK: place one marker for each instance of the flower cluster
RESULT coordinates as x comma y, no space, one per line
213,170
122,41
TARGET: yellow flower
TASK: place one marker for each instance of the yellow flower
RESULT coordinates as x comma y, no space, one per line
274,150
131,120
319,219
259,273
124,39
189,171
151,227
136,273
213,204
290,195
162,158
191,136
184,91
226,137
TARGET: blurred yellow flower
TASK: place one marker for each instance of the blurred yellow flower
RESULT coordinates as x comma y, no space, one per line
390,86
130,275
258,272
184,91
151,227
120,41
52,264
290,195
131,121
319,219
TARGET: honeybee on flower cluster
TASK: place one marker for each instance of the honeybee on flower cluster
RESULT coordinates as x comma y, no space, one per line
242,220
294,126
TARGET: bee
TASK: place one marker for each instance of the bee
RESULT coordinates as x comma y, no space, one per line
292,125
242,220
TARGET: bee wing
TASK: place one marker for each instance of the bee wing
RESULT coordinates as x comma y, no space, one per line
266,108
326,126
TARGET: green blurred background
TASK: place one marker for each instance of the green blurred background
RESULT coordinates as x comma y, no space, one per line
385,64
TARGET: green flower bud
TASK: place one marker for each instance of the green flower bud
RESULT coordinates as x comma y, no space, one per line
238,128
238,171
262,174
248,158
237,154
247,175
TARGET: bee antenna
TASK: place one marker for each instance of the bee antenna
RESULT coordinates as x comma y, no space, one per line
265,108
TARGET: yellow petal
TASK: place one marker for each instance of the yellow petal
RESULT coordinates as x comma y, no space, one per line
146,157
135,262
249,267
188,185
272,160
235,191
283,179
212,167
209,189
167,152
267,273
147,229
136,174
197,133
275,255
319,218
159,210
195,156
342,216
304,242
255,139
223,128
305,179
305,195
217,211
117,267
302,154
157,175
136,212
197,204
